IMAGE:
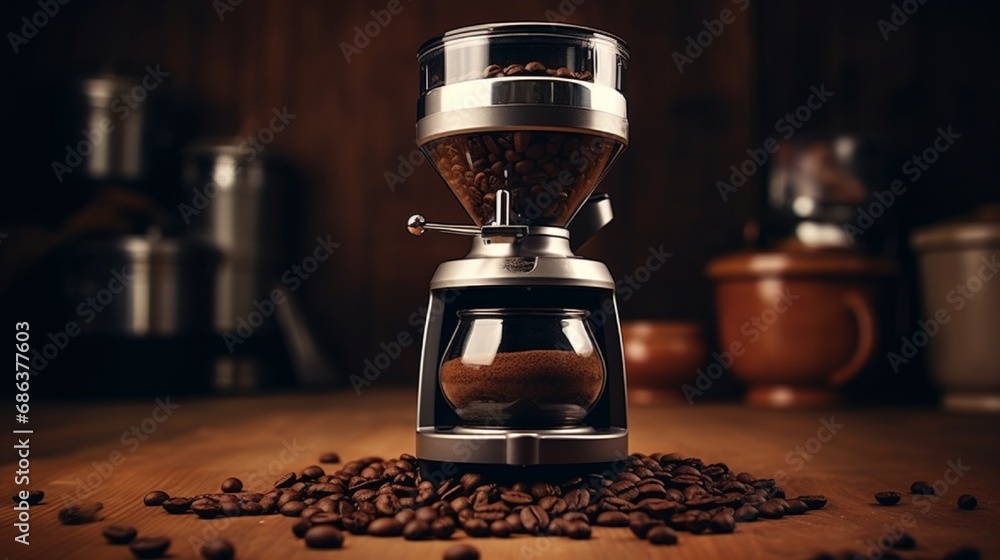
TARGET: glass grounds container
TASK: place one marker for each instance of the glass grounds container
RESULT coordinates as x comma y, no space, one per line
522,367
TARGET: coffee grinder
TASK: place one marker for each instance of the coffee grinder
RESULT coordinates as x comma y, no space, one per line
522,359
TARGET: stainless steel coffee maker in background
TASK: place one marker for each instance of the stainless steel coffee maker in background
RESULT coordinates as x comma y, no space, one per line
522,358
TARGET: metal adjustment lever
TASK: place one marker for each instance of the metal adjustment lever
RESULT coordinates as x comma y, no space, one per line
502,230
417,225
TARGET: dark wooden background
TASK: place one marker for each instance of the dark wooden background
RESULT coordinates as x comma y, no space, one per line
354,120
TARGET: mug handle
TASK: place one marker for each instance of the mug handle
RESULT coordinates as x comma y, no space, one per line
867,324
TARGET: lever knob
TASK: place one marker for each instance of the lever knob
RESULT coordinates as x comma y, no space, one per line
415,224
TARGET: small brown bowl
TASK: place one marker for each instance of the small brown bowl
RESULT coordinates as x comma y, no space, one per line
660,357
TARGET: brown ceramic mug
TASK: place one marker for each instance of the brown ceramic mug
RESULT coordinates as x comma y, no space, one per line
799,324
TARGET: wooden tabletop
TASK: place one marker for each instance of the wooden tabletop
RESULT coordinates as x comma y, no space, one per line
91,451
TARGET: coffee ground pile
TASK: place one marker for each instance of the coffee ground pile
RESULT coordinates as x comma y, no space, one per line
534,376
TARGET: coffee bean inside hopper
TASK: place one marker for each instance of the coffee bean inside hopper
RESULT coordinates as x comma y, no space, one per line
548,174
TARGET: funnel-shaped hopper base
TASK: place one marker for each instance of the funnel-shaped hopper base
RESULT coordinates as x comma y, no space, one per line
548,174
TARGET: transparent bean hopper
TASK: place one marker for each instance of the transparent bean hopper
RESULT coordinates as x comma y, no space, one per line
522,356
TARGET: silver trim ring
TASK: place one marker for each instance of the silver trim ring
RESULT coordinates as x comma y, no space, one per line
529,90
521,117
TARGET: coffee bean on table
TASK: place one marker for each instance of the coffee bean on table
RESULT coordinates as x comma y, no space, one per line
80,513
746,512
723,523
476,528
662,535
356,523
921,487
34,498
292,509
697,521
500,528
313,472
461,552
386,504
309,511
426,513
323,490
796,507
232,485
219,549
443,528
230,509
301,526
613,519
964,553
470,481
905,542
577,499
119,534
771,510
324,536
286,481
887,498
385,527
417,530
534,519
967,501
640,526
329,457
553,505
539,489
251,508
813,501
149,547
206,508
155,498
578,530
781,502
517,498
624,489
406,515
326,518
557,527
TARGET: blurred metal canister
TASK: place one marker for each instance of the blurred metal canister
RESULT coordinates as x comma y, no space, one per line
120,149
232,199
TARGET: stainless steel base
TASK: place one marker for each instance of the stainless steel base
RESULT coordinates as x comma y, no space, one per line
522,447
